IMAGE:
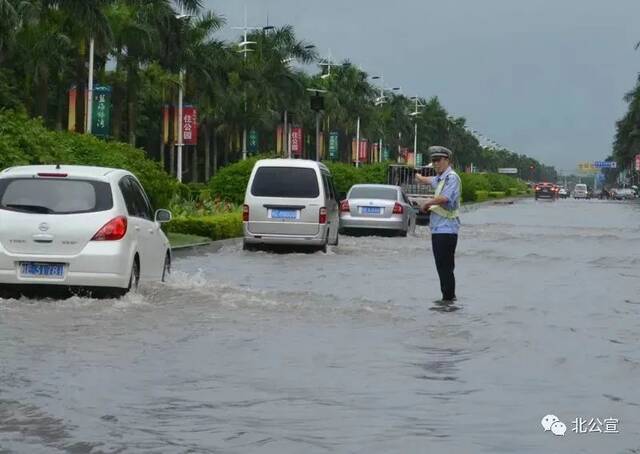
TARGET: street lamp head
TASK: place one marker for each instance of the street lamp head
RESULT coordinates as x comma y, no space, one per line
268,28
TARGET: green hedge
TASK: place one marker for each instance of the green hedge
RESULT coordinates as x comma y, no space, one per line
216,227
346,175
497,194
26,142
474,183
480,196
230,183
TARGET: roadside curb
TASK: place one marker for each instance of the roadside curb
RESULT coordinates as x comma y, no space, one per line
211,246
191,245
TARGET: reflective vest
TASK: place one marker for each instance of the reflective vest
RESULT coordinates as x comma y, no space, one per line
439,209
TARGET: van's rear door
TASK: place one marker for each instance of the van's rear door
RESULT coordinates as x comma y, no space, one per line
285,201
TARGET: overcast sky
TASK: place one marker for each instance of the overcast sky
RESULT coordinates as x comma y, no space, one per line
541,77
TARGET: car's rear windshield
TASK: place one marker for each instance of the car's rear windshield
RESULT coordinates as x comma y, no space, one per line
581,186
374,193
286,182
54,195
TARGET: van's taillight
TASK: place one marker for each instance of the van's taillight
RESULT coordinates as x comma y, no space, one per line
113,230
323,215
397,209
52,175
344,206
245,213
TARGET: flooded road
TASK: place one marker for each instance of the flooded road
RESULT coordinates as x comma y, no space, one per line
346,352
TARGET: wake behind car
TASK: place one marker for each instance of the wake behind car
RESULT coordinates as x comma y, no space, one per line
78,228
290,202
377,207
546,191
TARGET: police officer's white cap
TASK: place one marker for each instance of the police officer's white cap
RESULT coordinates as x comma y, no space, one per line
438,151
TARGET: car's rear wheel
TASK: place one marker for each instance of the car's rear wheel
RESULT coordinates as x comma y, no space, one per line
166,269
249,246
336,241
134,279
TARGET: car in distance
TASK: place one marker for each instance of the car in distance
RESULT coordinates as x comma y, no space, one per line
379,207
78,228
563,193
545,191
623,194
580,191
290,202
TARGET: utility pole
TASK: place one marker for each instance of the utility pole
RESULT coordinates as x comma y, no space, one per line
244,49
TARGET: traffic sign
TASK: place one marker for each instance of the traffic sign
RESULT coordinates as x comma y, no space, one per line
605,164
508,170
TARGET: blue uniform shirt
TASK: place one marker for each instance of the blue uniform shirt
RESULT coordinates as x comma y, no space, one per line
451,191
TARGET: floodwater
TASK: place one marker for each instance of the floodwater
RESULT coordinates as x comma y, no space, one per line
346,352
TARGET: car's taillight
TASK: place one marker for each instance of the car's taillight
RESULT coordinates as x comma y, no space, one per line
245,213
113,230
323,216
537,188
344,206
397,209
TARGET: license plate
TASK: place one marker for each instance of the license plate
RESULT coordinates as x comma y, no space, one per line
35,269
283,214
371,210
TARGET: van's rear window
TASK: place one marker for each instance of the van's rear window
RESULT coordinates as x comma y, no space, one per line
286,182
54,195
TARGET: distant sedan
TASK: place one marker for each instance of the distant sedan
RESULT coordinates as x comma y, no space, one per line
377,207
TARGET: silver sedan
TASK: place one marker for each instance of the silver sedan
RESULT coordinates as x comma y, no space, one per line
377,207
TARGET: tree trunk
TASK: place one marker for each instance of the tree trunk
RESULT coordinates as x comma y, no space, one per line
215,152
207,151
132,106
81,88
162,154
62,103
172,159
119,100
194,164
43,94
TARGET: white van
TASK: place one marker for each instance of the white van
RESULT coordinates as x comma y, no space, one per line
290,201
580,191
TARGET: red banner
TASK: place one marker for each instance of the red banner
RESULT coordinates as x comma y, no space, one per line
638,162
362,150
297,142
189,125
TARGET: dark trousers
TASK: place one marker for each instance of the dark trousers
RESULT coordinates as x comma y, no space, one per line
444,250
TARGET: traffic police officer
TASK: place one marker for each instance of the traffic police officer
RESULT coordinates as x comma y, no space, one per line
444,218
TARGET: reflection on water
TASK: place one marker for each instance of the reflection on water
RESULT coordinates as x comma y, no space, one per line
266,352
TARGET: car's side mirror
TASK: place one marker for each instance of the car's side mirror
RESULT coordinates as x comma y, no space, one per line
163,216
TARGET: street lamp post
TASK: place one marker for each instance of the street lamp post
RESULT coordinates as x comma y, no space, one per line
179,145
244,49
89,115
415,114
